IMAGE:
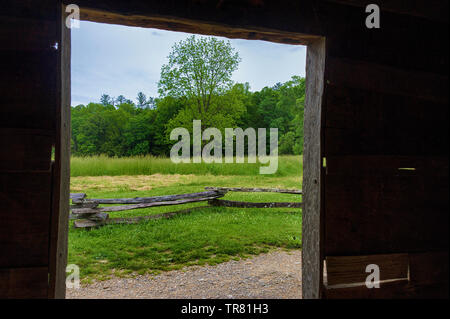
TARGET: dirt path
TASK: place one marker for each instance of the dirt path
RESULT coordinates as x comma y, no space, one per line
274,275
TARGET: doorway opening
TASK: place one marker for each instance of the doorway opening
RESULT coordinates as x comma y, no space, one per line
216,175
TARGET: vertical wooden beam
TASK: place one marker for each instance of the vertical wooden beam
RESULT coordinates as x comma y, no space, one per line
312,232
61,167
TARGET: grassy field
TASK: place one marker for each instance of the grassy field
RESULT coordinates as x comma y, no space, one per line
206,236
148,165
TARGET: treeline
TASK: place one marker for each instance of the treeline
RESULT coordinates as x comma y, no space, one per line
121,127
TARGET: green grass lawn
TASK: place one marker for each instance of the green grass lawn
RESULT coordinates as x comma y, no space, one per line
206,236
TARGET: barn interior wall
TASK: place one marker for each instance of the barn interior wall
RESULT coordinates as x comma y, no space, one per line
385,108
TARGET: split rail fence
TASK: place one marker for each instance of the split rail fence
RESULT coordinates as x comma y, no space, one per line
88,214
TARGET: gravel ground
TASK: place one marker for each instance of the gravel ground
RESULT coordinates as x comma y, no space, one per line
276,275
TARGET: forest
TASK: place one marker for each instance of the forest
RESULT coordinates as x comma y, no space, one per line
195,84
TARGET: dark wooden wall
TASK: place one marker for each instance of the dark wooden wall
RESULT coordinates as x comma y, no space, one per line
386,149
384,108
28,85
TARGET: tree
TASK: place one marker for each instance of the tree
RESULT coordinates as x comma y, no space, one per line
200,70
127,129
105,99
142,100
121,99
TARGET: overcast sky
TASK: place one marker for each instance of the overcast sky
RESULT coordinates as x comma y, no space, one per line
123,60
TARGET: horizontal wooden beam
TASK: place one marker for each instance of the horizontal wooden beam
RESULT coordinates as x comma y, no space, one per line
152,199
384,79
352,269
86,223
435,10
406,275
256,190
24,283
144,205
229,203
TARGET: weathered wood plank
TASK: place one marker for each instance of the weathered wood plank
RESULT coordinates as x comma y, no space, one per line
93,217
429,268
402,289
312,218
18,34
144,205
375,213
61,169
248,189
133,220
28,150
435,10
77,196
232,19
402,41
229,203
386,165
390,80
35,73
142,200
29,9
25,208
86,216
86,223
85,205
367,122
352,269
23,283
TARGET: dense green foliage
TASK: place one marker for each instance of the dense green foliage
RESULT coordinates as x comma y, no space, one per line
195,85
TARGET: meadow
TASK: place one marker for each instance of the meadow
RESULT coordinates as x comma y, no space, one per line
209,235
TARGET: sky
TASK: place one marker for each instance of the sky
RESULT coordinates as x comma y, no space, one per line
119,60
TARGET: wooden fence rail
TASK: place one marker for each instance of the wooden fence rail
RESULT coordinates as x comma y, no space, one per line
89,215
254,190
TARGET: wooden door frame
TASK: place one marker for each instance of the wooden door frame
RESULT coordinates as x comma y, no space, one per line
59,228
312,212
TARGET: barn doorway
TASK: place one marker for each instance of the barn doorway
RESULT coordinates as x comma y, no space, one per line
313,163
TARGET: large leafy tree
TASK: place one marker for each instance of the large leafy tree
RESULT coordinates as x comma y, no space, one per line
199,69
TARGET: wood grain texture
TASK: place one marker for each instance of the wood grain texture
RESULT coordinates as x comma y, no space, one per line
27,87
142,205
385,79
402,289
229,203
378,213
364,165
429,268
29,9
427,274
19,34
312,258
143,200
61,168
87,223
28,150
206,17
25,207
77,196
257,190
24,283
435,10
367,122
352,269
